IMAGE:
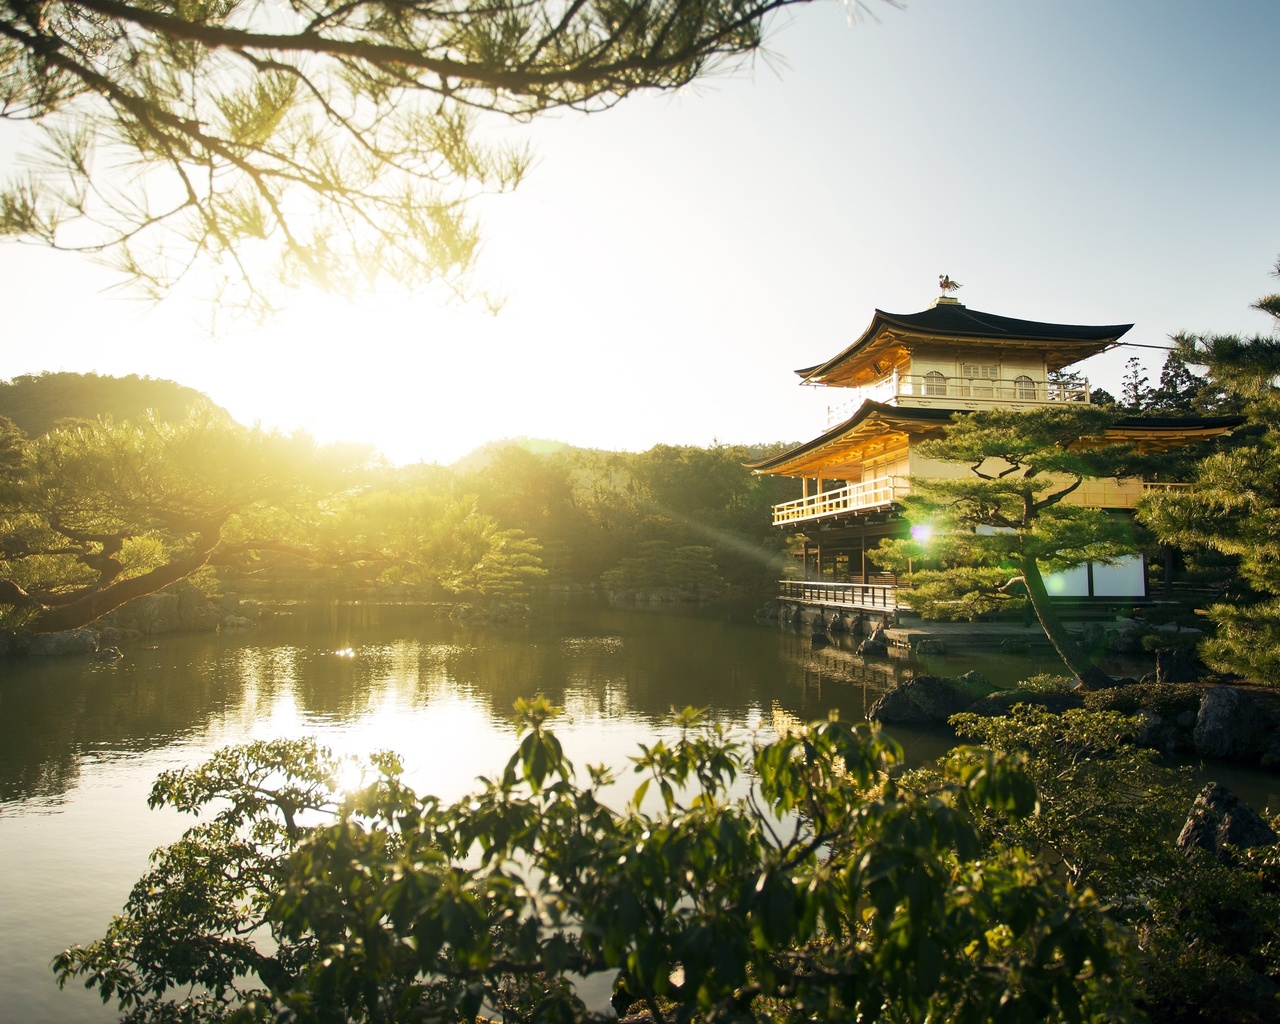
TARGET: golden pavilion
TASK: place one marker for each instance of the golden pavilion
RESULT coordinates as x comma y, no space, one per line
901,381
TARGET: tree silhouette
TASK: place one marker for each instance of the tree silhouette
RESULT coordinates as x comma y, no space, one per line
325,141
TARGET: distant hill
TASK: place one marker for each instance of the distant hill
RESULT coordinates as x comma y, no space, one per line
35,402
482,456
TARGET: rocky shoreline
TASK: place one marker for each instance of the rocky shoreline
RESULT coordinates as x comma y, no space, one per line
1226,720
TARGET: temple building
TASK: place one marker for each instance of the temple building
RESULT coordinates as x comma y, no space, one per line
902,379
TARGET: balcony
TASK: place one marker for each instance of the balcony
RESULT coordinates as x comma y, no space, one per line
865,494
936,389
881,597
885,491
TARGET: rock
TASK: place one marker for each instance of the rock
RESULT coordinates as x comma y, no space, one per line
1127,642
931,645
997,704
1228,725
876,645
842,622
56,645
1220,819
196,613
1150,729
768,612
237,622
1177,665
923,699
107,654
975,683
150,614
1093,636
111,636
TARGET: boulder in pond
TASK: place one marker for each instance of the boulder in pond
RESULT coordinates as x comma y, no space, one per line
924,699
57,645
876,645
1218,820
1228,725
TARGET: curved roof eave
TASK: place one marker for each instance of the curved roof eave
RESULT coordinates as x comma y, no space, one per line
891,415
954,320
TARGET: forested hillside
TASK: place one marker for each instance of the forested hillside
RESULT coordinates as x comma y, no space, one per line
117,488
35,402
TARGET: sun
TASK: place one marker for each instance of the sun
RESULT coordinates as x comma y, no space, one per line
401,376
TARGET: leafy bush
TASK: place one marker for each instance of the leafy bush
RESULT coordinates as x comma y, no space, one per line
742,881
1203,930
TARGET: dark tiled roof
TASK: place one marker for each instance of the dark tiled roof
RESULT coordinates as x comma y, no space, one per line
955,320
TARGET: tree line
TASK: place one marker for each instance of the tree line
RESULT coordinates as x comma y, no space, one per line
105,497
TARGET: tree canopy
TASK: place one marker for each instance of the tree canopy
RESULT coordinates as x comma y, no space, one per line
96,513
736,881
1022,467
36,402
315,141
1235,506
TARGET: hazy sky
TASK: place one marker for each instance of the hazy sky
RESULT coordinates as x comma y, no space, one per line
670,262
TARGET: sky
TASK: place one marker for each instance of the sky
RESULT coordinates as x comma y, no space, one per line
669,263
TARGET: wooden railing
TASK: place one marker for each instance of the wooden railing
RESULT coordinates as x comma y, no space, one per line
884,491
874,596
851,498
896,386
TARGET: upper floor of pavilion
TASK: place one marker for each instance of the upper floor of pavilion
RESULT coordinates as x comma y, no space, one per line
959,359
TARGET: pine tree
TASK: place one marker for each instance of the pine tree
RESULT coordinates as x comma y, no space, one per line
1235,508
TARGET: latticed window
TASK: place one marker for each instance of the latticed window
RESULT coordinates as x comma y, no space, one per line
935,383
982,377
1024,388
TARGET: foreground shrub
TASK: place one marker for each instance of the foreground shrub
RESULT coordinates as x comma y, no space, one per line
741,881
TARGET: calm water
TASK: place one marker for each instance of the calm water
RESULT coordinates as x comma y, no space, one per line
81,742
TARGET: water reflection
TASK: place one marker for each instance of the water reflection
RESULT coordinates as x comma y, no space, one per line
81,742
397,676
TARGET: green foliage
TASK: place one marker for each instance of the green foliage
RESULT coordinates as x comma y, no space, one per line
594,512
741,881
100,512
660,566
416,532
1182,392
1202,931
1135,386
1235,506
1109,811
983,541
336,144
36,402
94,514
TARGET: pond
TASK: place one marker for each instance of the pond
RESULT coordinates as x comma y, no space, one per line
81,741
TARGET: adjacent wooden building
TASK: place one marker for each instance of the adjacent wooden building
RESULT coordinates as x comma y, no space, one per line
901,380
